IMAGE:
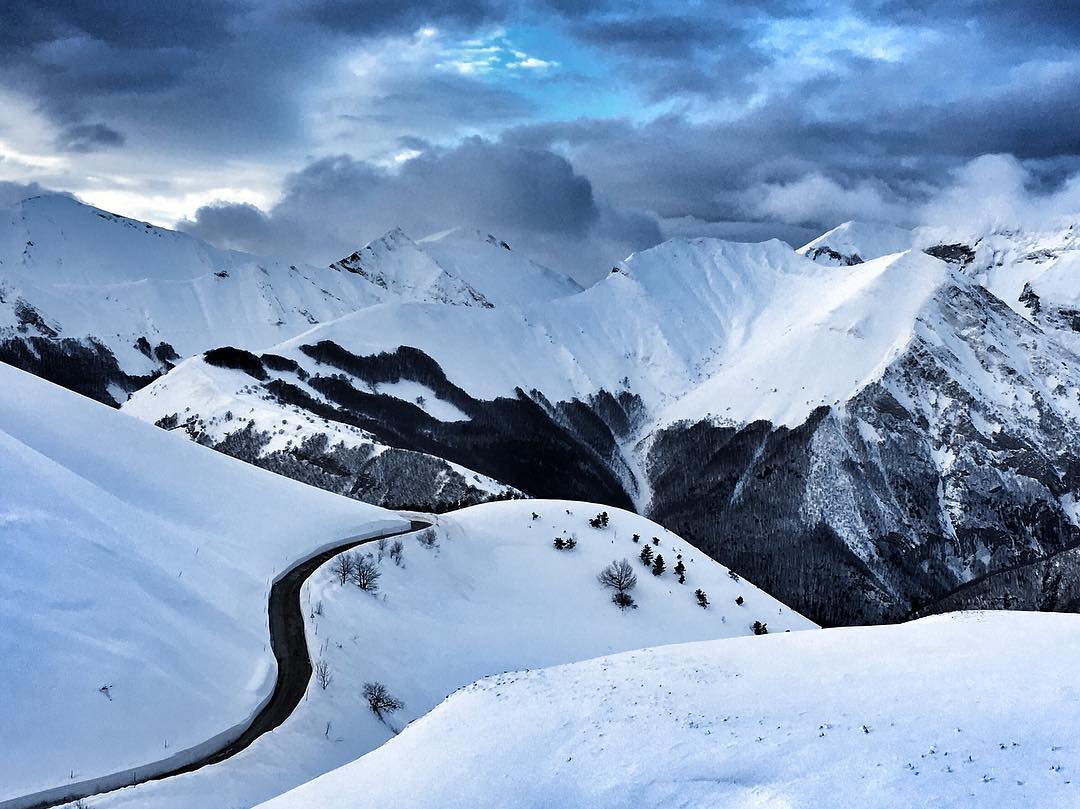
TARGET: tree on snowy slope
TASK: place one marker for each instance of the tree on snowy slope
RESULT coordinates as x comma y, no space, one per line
620,577
366,574
343,567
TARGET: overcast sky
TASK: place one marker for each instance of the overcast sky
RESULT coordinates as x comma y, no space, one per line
580,131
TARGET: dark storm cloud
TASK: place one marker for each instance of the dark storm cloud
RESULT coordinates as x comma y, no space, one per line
366,16
755,118
531,197
88,138
1023,22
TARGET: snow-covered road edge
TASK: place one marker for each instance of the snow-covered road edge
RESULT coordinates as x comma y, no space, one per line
133,775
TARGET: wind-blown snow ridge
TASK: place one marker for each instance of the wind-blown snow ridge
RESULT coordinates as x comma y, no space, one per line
869,717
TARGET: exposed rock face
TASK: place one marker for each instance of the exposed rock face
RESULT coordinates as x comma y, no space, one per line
957,464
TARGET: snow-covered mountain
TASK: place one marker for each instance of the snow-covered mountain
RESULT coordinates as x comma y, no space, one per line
103,304
485,591
868,438
135,580
856,242
872,717
895,420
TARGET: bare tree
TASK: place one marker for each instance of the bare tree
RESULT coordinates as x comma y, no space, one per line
380,700
344,567
381,545
366,574
323,675
619,576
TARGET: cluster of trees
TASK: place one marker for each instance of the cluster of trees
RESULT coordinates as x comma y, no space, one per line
565,543
600,520
360,569
657,563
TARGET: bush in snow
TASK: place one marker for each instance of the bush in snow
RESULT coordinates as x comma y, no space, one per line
343,566
658,565
366,574
636,537
733,575
759,628
567,544
702,598
739,600
624,600
323,675
656,540
646,555
680,571
397,552
559,543
380,700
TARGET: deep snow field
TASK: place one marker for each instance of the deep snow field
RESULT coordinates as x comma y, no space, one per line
968,709
138,561
491,594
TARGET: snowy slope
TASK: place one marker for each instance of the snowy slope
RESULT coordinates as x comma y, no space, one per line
856,242
506,277
490,594
134,560
942,712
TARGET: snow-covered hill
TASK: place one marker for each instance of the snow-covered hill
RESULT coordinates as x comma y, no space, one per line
133,592
941,712
484,592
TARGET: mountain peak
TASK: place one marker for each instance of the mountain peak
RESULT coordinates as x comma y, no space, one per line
854,242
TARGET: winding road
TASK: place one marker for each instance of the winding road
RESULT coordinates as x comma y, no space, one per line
289,644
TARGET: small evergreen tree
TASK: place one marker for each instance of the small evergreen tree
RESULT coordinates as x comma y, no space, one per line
570,543
680,571
646,555
559,543
760,628
702,598
637,537
739,600
658,565
656,540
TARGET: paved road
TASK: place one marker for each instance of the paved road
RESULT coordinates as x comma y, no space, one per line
289,643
